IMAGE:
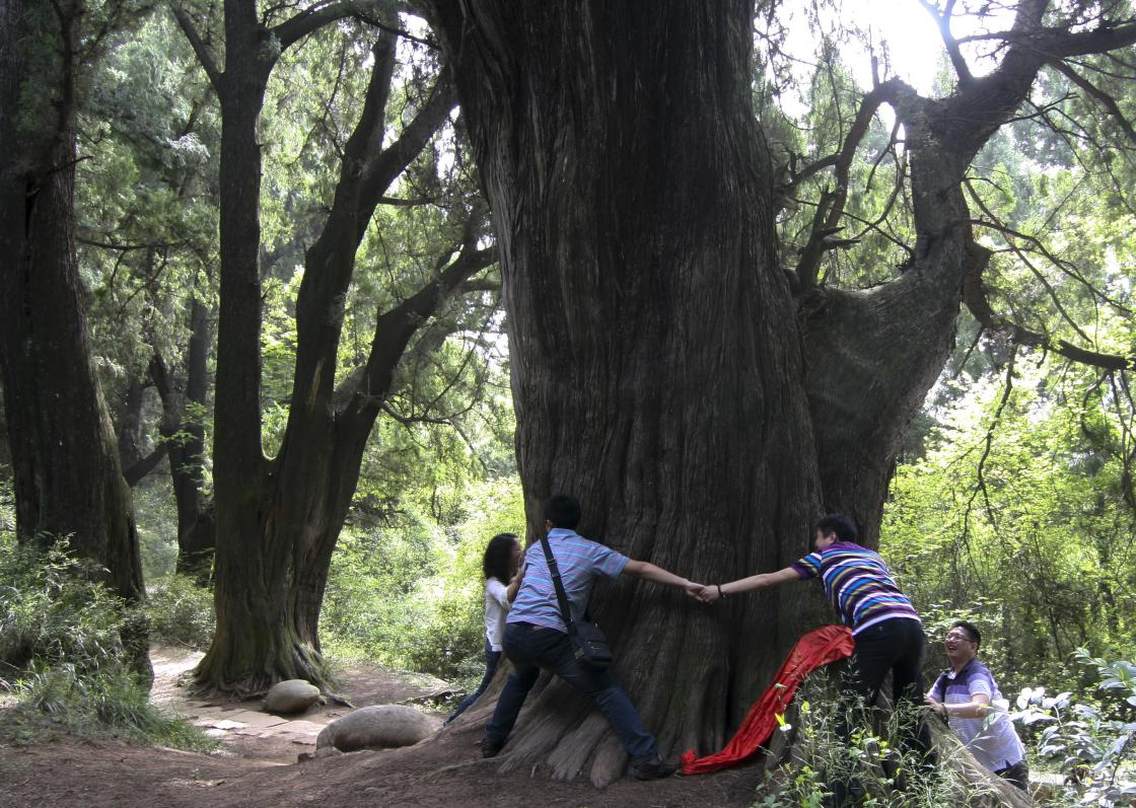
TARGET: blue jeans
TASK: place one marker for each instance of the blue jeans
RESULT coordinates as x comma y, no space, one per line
531,648
492,658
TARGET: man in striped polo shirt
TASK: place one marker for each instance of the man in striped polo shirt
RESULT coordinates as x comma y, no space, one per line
886,628
967,696
536,636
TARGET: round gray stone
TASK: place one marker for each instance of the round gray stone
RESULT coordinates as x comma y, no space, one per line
291,696
382,726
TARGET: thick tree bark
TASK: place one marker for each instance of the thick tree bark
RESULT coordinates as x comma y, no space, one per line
68,480
661,370
657,371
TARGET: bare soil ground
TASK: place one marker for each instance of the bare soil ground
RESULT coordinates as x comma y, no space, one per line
257,766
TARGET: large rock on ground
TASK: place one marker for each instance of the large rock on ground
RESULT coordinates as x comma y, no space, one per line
291,696
382,726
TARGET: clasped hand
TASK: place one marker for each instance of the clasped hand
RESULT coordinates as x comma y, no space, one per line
703,593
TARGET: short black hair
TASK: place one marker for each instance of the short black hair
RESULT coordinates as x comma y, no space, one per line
972,632
563,511
498,559
841,525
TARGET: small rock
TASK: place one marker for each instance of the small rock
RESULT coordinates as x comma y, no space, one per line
383,726
291,696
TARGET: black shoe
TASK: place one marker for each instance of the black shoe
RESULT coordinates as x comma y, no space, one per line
491,748
652,768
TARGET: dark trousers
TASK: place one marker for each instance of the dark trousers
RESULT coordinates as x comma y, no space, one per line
531,648
1018,774
492,659
894,646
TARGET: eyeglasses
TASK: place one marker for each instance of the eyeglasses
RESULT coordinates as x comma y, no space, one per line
958,635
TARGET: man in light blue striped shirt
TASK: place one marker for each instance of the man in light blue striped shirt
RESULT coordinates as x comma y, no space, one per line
536,636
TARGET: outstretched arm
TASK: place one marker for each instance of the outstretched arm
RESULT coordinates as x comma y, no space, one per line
709,594
649,572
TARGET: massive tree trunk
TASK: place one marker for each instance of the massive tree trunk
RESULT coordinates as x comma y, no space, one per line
662,370
68,480
657,367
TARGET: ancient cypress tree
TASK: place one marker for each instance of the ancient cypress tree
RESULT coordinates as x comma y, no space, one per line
703,399
278,518
68,479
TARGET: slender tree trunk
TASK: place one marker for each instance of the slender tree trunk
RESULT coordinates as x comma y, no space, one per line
253,641
68,480
196,524
131,436
183,427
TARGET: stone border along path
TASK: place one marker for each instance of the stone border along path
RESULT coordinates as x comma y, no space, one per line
248,732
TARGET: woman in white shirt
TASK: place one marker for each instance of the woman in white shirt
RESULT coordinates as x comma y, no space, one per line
500,563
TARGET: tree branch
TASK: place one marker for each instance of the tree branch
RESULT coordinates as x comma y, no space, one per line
379,173
394,328
974,295
1098,95
134,474
204,55
312,19
831,207
943,20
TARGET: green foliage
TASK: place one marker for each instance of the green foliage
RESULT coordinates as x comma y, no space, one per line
1016,518
54,613
61,654
108,702
406,591
873,762
1092,739
180,613
155,514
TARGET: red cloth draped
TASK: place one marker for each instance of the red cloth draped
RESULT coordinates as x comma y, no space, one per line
819,647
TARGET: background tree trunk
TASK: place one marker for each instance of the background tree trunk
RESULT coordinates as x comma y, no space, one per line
183,427
278,520
68,480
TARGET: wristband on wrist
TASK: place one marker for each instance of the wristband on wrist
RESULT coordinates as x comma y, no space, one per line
721,594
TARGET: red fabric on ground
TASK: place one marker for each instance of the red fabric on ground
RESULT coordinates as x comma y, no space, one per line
817,648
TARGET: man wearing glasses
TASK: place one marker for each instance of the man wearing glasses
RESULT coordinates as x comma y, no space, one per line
966,696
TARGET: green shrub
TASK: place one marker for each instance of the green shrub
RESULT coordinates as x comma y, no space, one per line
408,593
1091,738
53,612
108,702
61,654
879,769
180,613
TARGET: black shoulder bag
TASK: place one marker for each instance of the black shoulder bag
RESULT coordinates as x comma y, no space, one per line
589,645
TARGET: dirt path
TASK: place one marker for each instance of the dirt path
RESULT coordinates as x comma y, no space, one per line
247,732
257,767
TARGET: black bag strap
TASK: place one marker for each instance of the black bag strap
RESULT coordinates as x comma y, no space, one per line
941,685
561,596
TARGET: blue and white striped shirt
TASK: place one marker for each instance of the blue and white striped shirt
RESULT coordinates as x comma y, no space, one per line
858,583
992,740
580,560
